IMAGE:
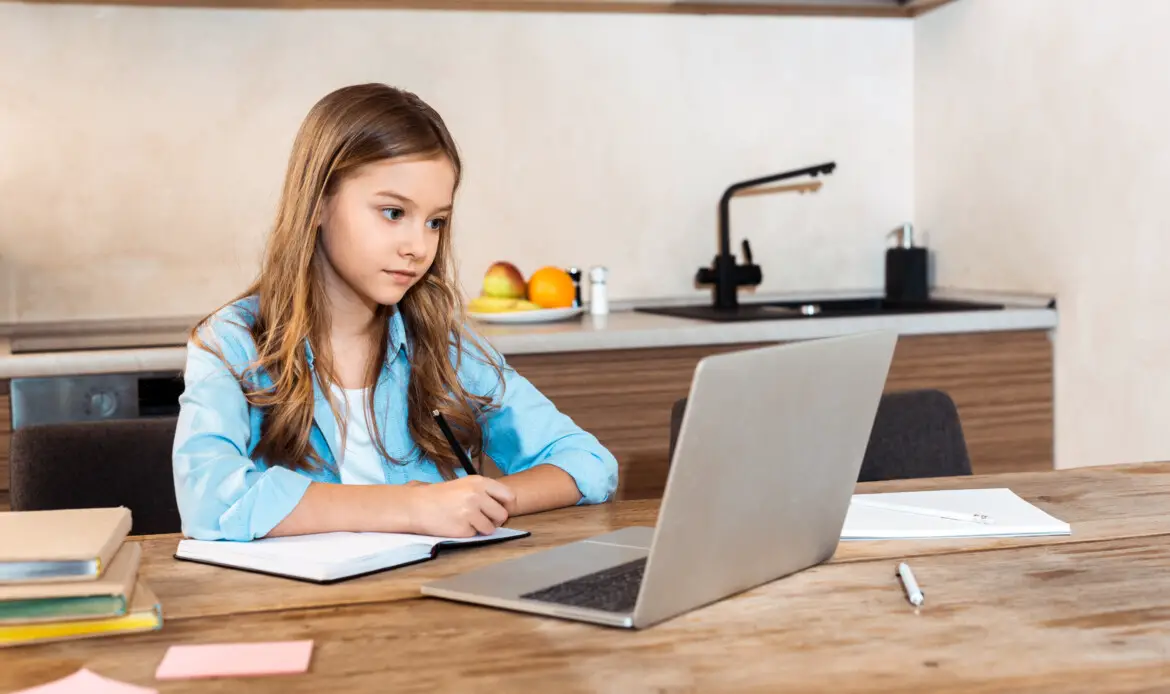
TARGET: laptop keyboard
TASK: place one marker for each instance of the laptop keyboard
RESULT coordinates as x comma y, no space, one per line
611,590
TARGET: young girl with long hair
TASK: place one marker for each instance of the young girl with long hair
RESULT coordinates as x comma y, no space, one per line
308,400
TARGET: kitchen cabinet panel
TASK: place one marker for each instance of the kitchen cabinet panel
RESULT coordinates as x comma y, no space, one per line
1000,381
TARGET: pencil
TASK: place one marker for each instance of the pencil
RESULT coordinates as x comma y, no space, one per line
459,452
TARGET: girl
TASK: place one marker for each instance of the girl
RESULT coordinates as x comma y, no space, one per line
308,400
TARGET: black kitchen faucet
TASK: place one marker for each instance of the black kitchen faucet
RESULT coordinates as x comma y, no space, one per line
725,273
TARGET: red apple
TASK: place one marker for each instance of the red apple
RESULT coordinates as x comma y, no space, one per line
504,280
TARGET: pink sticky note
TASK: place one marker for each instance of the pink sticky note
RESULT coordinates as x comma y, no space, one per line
85,682
235,660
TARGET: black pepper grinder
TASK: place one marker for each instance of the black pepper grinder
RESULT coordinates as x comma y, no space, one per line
907,268
575,274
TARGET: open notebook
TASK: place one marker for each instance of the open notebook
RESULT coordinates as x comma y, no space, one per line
329,557
1011,516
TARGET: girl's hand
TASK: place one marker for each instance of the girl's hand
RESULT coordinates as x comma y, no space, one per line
459,508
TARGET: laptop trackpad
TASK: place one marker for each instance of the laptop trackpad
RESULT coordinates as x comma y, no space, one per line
515,577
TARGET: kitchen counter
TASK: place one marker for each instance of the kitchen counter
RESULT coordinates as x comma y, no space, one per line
31,350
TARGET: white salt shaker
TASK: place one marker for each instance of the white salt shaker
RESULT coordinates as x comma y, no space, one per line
598,296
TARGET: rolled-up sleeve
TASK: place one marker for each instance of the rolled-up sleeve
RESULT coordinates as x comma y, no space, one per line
525,429
222,493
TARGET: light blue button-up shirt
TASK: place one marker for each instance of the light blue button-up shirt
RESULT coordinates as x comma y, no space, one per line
223,493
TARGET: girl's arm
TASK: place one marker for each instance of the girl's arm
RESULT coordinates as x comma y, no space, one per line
541,488
548,461
461,508
222,493
326,508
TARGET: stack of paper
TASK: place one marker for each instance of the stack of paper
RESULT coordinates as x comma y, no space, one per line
70,574
911,516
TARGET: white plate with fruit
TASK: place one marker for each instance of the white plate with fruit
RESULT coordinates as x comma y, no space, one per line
523,315
506,297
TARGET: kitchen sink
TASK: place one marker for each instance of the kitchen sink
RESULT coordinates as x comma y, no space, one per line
815,308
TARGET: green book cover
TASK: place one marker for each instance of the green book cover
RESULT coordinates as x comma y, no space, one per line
53,609
106,597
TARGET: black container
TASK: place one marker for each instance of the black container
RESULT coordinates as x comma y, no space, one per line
907,269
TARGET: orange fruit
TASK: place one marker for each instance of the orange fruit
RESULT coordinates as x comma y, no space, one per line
551,287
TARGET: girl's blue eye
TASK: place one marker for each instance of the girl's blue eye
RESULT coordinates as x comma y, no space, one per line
392,213
437,224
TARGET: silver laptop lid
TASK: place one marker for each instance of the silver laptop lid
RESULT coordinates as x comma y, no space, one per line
768,454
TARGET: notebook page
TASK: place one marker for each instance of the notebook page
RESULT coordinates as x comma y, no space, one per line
323,548
325,556
341,546
1013,516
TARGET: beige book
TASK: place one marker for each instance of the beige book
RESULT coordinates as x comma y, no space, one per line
65,545
108,596
145,614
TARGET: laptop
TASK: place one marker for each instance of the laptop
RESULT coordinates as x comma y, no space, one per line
763,471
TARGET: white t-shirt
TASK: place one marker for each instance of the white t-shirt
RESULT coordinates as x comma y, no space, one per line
360,462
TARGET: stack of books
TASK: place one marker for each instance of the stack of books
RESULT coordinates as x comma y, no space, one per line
71,574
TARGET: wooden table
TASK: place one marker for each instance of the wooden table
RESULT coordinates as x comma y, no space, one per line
1028,614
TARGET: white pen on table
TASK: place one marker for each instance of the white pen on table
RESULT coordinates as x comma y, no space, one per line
924,511
913,593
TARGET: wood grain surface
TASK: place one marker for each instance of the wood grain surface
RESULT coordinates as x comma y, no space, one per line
1001,383
1088,616
1099,503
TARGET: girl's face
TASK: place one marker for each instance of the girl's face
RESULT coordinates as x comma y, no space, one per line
380,229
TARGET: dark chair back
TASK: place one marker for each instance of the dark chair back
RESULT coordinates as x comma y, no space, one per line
98,464
915,434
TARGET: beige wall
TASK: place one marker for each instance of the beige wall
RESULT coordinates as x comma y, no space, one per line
141,149
1043,157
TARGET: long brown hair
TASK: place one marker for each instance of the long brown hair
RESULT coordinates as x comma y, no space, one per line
345,130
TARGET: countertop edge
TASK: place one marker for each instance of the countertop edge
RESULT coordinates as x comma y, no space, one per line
167,327
695,333
686,333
